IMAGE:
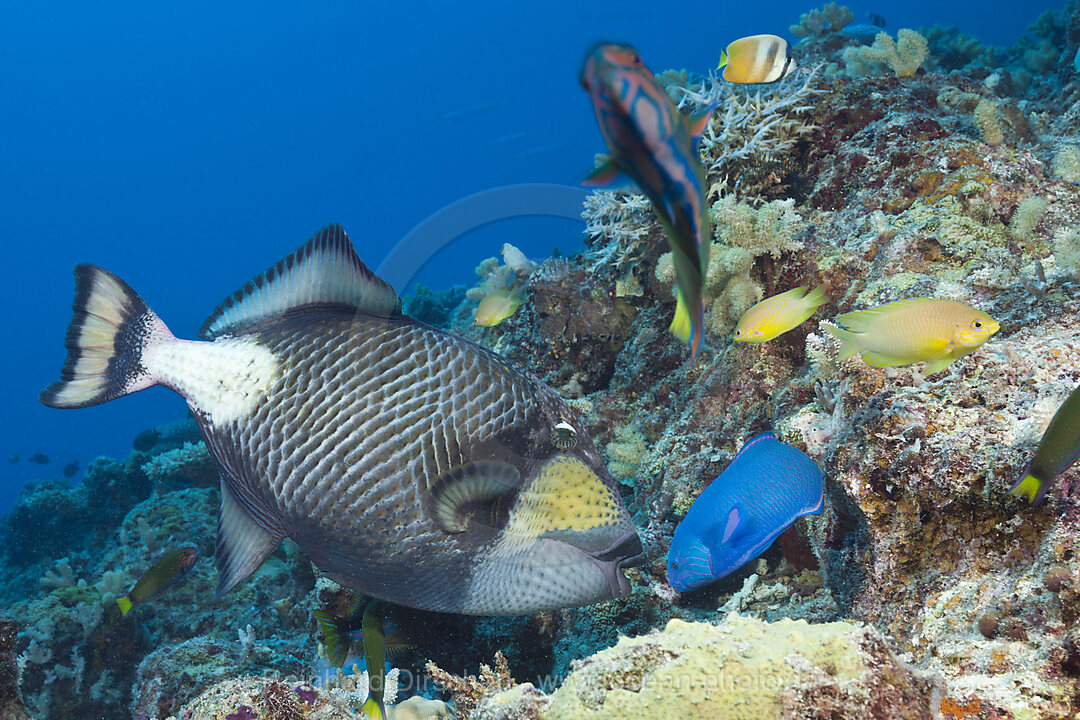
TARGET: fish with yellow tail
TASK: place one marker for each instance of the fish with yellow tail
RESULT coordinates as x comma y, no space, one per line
408,464
364,624
656,146
1058,450
774,316
937,332
155,582
757,59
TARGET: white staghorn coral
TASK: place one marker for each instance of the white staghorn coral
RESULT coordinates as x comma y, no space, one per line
753,131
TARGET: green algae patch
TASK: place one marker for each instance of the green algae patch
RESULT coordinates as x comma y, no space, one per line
741,669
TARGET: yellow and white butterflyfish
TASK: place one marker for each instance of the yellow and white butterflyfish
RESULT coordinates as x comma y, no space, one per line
757,59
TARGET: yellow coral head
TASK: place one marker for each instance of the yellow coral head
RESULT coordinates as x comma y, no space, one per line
977,330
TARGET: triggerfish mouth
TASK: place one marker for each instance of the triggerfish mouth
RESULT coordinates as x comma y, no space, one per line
407,463
767,487
656,146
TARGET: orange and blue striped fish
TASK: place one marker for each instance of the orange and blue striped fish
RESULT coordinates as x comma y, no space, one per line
656,146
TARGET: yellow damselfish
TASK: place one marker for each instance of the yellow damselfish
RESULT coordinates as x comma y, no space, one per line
938,332
776,315
496,307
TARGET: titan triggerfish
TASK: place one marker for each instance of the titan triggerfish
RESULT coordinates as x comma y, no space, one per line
409,464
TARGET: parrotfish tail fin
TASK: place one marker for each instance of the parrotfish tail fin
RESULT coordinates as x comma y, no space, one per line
688,328
110,330
333,632
374,709
849,341
125,605
1030,487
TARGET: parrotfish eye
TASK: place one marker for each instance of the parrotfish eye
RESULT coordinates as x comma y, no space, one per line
564,435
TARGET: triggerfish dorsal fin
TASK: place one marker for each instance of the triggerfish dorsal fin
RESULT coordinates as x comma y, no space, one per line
324,271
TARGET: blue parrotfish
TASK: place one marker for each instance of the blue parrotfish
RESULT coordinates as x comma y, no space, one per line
656,146
766,488
1058,450
408,464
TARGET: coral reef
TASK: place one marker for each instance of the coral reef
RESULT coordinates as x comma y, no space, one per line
946,168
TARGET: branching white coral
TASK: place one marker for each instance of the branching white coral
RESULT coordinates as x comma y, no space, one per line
616,225
752,127
60,576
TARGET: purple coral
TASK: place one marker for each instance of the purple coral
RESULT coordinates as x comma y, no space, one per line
244,712
306,692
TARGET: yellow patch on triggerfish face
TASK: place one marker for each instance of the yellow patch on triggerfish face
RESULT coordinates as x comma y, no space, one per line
567,495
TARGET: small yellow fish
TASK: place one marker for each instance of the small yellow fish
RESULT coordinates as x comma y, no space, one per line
910,331
757,59
776,315
496,307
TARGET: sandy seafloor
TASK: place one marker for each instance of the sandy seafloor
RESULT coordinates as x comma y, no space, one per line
923,590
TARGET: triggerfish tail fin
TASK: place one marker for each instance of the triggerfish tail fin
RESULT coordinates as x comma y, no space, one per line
337,649
125,605
688,328
1030,487
373,708
110,331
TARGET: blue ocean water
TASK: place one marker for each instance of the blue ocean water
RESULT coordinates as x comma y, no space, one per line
188,146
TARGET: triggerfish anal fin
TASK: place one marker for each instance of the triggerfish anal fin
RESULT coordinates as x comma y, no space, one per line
323,272
764,489
242,541
655,145
1058,450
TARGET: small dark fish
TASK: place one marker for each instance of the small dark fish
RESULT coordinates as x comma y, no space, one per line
166,573
71,468
40,458
13,458
875,19
146,440
1058,449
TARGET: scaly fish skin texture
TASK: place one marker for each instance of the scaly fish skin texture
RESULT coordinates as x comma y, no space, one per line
350,444
408,464
651,141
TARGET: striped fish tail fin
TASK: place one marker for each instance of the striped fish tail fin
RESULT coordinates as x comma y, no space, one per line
690,328
125,605
1030,487
110,331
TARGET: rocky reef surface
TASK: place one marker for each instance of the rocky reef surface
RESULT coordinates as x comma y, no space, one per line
932,167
